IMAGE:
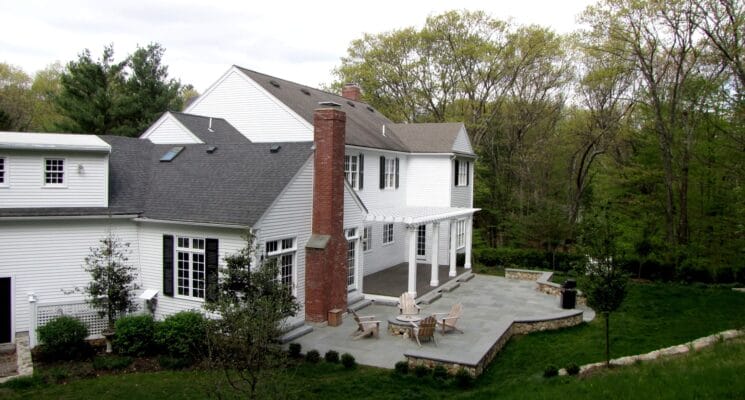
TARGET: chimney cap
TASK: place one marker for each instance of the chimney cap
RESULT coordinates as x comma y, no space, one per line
329,104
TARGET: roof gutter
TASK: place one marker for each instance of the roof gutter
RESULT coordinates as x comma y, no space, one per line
192,223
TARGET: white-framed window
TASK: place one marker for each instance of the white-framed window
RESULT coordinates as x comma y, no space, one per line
3,171
463,171
460,233
191,268
387,233
54,171
352,171
390,173
367,239
283,250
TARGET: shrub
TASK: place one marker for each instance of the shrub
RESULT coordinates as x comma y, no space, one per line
135,335
313,356
168,362
24,382
331,356
182,335
402,367
63,338
572,369
421,371
111,363
295,350
550,371
347,360
463,378
440,373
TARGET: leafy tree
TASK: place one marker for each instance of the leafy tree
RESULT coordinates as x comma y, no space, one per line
16,102
45,87
251,304
603,281
112,279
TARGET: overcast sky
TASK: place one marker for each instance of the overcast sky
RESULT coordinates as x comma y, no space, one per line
300,41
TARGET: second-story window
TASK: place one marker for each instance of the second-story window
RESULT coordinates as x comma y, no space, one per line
388,173
3,180
462,173
354,170
54,171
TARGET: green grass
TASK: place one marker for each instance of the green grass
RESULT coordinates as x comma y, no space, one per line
653,316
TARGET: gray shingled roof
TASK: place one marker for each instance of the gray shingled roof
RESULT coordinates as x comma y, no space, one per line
364,124
429,137
234,185
222,132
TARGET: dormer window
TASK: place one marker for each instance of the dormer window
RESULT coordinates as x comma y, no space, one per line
54,171
462,173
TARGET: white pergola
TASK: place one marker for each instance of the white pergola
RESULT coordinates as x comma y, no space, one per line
413,217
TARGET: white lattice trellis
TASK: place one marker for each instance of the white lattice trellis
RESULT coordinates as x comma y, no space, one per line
79,310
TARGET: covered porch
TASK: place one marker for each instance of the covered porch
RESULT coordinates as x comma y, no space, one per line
428,263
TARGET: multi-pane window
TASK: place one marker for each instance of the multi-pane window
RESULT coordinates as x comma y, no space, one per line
367,239
54,171
283,251
463,170
3,181
387,233
352,170
390,173
352,237
460,233
421,240
190,267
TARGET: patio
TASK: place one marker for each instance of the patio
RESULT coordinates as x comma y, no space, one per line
493,307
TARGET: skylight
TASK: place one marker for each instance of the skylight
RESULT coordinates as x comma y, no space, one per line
171,154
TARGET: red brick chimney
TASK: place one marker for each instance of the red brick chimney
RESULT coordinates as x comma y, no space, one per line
326,251
351,91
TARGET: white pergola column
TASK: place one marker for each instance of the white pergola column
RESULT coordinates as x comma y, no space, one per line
469,225
435,280
359,253
453,246
411,231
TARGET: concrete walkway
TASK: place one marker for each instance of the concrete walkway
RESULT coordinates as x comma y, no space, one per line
490,305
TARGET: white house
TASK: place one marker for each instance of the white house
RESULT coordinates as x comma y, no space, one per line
331,188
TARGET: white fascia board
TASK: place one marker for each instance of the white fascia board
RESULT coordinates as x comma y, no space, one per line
260,221
191,223
356,198
67,217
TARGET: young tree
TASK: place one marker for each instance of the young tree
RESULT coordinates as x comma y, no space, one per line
112,279
603,281
251,304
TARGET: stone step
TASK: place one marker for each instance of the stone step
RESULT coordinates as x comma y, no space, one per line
360,304
353,298
430,297
467,276
450,286
302,330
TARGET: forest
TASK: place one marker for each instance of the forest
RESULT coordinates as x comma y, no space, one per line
636,119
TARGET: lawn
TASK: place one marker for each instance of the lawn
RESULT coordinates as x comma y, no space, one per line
653,316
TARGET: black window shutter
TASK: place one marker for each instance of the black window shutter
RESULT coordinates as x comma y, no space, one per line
396,172
361,180
457,164
211,261
382,172
168,265
468,173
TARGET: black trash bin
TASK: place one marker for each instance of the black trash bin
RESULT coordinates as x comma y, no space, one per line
569,294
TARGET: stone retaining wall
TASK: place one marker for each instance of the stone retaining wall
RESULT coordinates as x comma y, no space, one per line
542,280
518,327
522,274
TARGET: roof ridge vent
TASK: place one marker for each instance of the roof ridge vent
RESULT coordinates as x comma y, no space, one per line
329,104
351,104
370,109
274,148
211,149
305,91
274,83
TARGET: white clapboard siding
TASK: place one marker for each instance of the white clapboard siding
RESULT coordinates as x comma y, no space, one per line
85,180
254,112
462,196
385,256
168,130
428,181
354,214
372,196
290,216
462,144
151,259
47,258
